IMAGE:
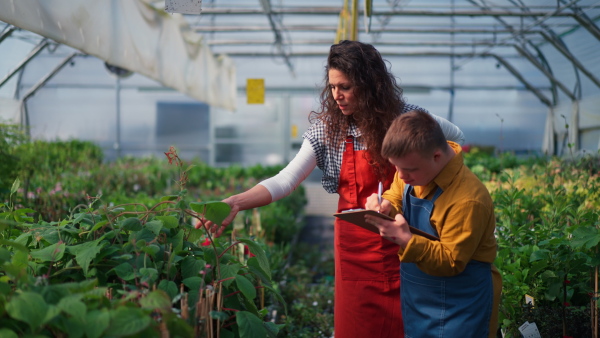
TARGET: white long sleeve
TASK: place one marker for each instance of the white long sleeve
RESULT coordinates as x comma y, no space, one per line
452,132
290,177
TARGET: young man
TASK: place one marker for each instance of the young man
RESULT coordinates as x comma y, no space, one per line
449,288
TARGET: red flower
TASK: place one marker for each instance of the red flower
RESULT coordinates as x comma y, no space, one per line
171,155
248,252
567,281
566,304
466,148
206,242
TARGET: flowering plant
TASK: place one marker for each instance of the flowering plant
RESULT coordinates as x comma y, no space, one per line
131,270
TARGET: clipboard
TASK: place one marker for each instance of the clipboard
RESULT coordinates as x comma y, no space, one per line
357,216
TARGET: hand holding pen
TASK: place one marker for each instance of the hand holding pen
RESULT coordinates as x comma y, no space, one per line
377,202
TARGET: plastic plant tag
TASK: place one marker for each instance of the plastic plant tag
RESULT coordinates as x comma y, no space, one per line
183,6
529,300
529,330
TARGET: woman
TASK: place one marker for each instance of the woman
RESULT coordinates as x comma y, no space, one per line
359,102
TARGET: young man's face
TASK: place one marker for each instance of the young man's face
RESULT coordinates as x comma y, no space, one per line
416,169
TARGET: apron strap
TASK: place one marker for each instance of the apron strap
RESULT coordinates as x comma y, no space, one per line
349,168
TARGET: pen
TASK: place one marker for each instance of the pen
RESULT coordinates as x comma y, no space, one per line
379,192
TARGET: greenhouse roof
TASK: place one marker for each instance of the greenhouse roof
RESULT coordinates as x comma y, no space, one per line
546,49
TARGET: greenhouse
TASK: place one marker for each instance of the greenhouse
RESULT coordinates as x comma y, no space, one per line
143,144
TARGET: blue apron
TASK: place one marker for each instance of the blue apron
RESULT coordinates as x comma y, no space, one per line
456,306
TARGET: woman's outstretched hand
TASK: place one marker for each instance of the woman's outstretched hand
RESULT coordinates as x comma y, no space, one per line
216,228
253,198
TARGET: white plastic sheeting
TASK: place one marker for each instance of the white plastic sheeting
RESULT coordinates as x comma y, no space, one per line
134,35
575,123
9,109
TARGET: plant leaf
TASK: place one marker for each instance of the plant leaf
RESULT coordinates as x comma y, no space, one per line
154,226
250,325
539,255
586,237
176,241
85,253
222,316
28,307
246,287
259,254
127,321
157,299
213,211
169,287
50,253
193,283
73,306
228,271
190,266
6,333
169,222
124,271
272,329
15,186
131,224
149,275
278,296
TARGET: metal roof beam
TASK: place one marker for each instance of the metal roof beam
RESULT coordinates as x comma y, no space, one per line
41,83
35,51
571,58
318,28
546,72
499,58
266,4
328,42
520,49
50,75
7,32
402,12
554,41
585,21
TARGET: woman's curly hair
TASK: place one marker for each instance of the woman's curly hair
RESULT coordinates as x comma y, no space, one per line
379,99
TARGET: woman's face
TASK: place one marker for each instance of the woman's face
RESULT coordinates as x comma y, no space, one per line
342,91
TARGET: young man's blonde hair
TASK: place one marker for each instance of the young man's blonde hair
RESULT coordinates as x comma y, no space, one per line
413,131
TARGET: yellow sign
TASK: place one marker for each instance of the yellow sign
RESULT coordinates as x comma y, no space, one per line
529,300
255,91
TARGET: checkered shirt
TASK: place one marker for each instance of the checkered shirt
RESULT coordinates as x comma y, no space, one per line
329,160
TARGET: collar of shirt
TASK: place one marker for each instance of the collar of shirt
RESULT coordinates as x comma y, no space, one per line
446,176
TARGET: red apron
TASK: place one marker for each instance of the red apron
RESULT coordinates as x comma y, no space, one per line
367,278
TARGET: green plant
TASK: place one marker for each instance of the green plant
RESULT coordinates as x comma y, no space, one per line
548,236
132,270
11,137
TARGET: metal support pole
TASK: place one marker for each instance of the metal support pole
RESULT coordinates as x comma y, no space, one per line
39,84
117,145
452,69
287,144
